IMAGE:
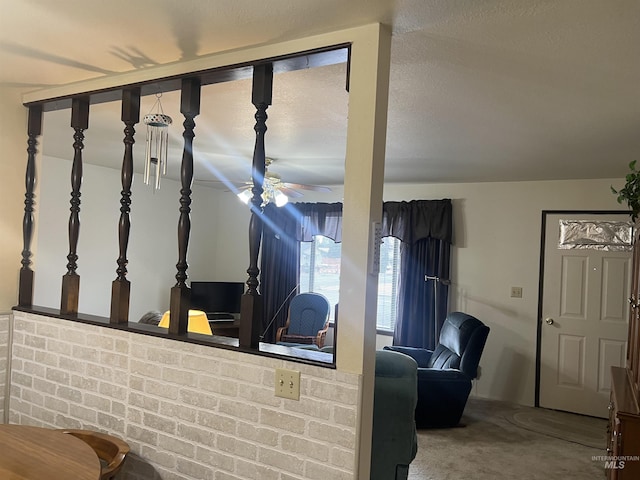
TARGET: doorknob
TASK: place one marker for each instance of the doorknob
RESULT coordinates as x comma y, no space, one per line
549,321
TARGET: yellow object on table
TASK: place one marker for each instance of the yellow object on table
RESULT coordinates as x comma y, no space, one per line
198,322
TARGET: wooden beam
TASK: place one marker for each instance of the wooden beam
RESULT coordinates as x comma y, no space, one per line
250,310
180,293
121,287
34,130
71,280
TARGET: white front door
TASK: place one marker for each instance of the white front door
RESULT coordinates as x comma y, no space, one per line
584,321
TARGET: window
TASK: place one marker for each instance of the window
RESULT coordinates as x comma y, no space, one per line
388,283
320,272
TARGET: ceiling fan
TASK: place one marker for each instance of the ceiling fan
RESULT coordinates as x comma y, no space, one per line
275,190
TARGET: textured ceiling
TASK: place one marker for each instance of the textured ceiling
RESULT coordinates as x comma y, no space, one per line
480,90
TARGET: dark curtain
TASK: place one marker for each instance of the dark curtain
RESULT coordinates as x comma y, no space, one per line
280,258
319,219
283,230
417,219
422,305
425,229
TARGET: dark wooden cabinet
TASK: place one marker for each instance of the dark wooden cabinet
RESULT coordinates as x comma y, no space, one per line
623,449
624,428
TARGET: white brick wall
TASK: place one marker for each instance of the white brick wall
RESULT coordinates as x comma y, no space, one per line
187,411
4,358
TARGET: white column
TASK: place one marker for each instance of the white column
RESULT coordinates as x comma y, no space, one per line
363,185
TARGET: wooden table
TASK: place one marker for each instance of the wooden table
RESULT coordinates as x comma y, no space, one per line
33,453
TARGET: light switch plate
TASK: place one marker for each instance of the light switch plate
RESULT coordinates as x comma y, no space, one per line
287,383
516,292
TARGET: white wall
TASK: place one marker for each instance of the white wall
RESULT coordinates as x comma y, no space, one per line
13,145
13,125
231,230
152,252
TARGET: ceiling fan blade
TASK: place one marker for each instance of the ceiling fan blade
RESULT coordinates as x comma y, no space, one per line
300,186
231,186
289,192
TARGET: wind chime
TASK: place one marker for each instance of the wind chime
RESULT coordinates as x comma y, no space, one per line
157,144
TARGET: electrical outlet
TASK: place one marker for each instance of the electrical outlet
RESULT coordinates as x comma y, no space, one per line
287,383
516,292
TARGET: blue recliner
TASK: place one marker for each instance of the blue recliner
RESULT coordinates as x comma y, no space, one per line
445,374
394,443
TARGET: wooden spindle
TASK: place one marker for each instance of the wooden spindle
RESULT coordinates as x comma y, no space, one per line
34,129
251,306
71,280
180,293
121,287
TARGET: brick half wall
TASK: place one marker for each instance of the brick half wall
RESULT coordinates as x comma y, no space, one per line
5,321
189,412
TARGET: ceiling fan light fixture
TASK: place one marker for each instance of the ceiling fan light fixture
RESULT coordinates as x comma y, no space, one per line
269,195
245,196
281,199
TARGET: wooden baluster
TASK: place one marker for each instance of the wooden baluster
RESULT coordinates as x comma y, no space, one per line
121,287
251,306
34,129
180,293
71,280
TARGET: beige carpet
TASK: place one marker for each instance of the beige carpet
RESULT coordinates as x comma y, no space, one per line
565,426
502,440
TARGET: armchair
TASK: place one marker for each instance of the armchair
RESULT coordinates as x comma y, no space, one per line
394,440
307,322
445,374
